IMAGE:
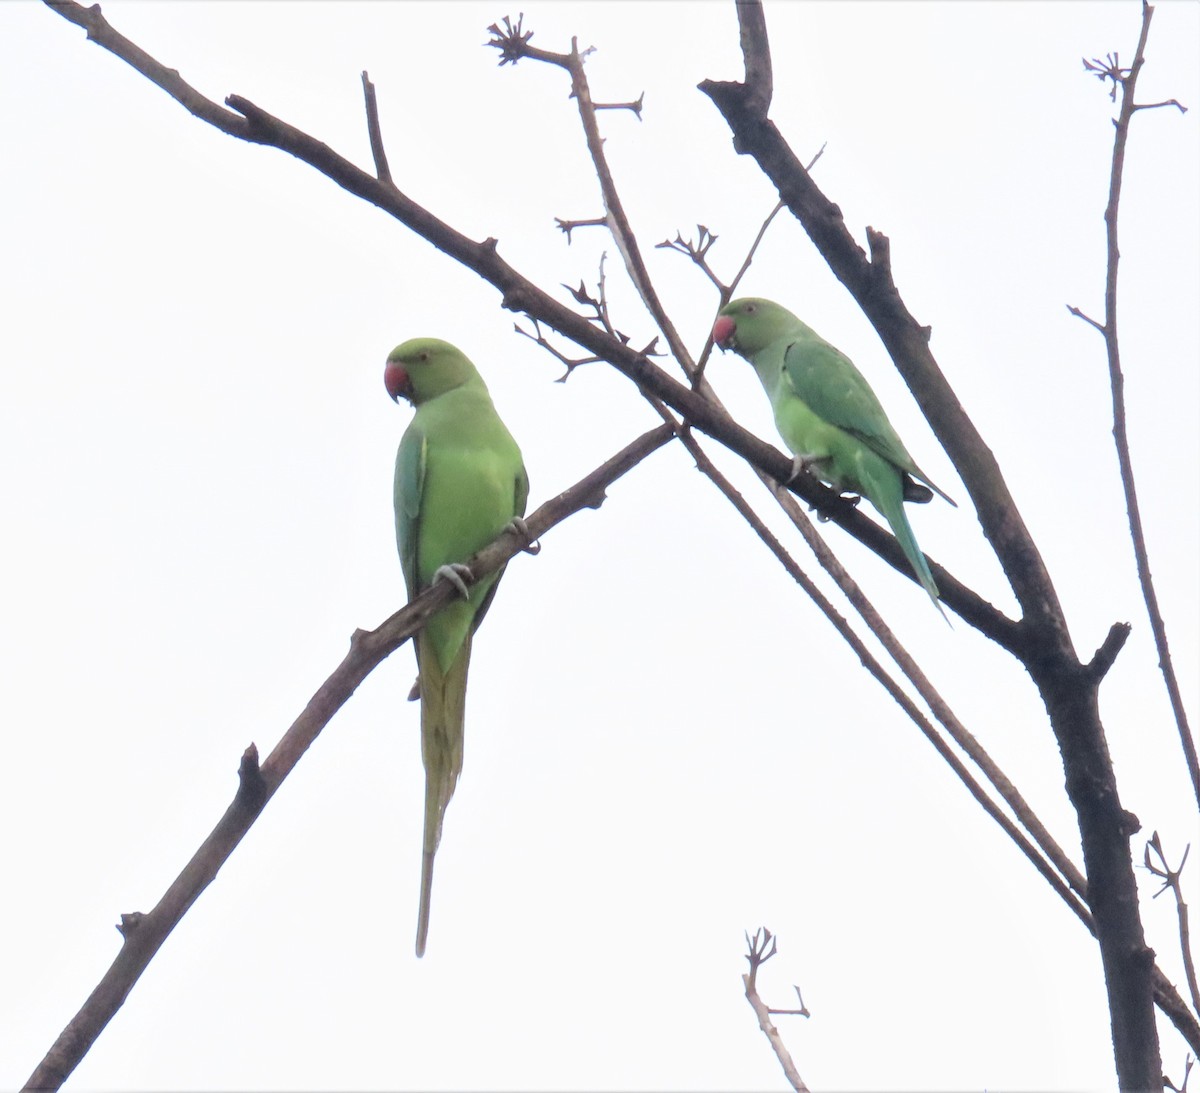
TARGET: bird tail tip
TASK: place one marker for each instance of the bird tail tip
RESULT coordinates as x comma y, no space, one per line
426,894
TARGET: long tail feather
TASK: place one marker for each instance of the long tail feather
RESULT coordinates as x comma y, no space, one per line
888,498
443,699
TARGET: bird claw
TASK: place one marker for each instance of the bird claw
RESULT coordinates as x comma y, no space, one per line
801,464
457,574
518,525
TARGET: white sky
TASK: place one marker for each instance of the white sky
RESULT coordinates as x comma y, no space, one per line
666,745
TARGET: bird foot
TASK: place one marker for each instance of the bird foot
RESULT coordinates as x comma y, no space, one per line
518,525
415,693
457,574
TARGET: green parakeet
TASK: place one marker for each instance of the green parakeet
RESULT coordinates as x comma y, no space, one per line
460,481
829,417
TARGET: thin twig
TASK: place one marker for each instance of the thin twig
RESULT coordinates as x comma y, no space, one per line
382,171
1126,80
727,295
727,291
513,46
144,934
1170,878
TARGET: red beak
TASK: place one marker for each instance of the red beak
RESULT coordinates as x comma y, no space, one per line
396,380
723,331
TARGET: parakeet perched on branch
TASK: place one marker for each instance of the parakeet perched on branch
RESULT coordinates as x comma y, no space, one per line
829,417
460,481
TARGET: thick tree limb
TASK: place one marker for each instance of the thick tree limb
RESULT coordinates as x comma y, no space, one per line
871,285
1068,689
144,933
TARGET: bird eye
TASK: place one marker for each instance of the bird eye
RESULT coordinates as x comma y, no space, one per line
423,356
749,309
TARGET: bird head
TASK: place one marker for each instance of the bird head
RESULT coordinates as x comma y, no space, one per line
751,324
423,368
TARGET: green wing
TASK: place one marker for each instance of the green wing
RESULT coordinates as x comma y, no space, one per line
824,378
520,497
408,490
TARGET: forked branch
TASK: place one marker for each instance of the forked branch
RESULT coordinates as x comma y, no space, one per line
760,949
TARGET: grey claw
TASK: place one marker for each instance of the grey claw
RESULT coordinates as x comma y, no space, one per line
457,574
801,464
517,523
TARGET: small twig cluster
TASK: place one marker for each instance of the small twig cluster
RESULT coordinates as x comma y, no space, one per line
511,41
760,949
1108,69
1158,867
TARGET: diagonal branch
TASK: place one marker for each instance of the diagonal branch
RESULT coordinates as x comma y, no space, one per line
869,281
100,31
144,934
521,294
961,736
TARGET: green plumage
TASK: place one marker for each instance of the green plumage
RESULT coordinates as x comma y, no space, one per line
460,481
829,417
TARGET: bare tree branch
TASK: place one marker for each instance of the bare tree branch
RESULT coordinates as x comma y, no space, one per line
515,45
520,294
1170,878
100,31
382,171
1126,80
910,708
760,949
1039,640
144,934
1068,689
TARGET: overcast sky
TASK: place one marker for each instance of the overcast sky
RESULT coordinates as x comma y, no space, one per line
666,744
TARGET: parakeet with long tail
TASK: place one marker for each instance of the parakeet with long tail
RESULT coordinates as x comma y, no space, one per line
460,481
829,417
